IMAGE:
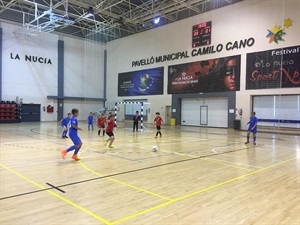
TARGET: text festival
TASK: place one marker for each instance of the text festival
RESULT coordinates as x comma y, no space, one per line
31,58
196,52
286,67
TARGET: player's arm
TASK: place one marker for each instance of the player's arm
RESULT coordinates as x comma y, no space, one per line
59,122
255,125
76,127
248,123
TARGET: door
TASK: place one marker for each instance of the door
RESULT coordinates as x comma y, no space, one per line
31,113
210,112
168,114
203,115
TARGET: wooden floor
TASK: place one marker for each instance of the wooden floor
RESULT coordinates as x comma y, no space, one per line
201,176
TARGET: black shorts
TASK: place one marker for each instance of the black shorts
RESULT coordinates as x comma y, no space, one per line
158,128
110,134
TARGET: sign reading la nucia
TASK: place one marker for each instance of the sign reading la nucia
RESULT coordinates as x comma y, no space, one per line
31,58
229,46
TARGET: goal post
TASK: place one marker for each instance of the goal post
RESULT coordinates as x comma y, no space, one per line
128,103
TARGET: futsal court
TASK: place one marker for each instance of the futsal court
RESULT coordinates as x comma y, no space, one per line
197,176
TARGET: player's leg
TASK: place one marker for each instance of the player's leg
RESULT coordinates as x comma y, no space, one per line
159,132
78,146
103,131
248,137
66,131
106,141
99,130
71,148
63,132
92,126
112,138
133,127
254,137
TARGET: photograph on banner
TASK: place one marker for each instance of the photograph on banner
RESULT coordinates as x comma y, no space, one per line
142,82
277,68
212,75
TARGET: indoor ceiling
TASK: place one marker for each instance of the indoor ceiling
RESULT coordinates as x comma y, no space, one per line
104,20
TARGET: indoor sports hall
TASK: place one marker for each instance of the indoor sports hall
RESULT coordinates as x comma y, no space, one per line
165,112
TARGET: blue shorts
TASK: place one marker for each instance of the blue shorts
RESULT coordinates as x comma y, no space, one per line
76,140
254,131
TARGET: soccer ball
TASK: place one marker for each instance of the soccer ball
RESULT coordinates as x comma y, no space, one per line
154,148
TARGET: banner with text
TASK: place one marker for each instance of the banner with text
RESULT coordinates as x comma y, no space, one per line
143,82
213,75
277,68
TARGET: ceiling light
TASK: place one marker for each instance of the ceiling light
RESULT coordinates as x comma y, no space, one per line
156,20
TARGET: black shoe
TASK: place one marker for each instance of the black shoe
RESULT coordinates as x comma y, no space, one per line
66,137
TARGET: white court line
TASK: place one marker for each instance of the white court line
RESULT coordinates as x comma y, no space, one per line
233,163
214,150
239,164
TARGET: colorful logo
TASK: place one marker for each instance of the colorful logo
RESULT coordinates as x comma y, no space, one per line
275,34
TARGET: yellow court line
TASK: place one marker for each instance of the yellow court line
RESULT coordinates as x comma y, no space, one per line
57,195
199,191
123,183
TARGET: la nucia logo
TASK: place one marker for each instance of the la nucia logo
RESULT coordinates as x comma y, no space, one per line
32,58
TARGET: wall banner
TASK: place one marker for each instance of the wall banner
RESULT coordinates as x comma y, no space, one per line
213,75
277,68
142,82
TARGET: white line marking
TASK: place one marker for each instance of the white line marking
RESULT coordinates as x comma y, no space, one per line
239,164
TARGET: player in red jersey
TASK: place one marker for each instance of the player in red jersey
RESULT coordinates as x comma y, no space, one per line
158,121
109,131
101,124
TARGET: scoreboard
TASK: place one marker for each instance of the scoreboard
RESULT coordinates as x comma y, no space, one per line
201,34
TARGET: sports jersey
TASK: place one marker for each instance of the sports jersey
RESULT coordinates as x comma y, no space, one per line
136,118
110,126
253,121
90,119
65,121
101,121
72,131
158,120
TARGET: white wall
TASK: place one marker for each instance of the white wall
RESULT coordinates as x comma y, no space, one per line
84,75
232,23
84,68
33,81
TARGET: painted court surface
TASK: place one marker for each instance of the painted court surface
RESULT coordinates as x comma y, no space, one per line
198,176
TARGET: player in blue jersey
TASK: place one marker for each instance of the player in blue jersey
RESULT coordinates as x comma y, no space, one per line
252,128
73,134
65,124
90,121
